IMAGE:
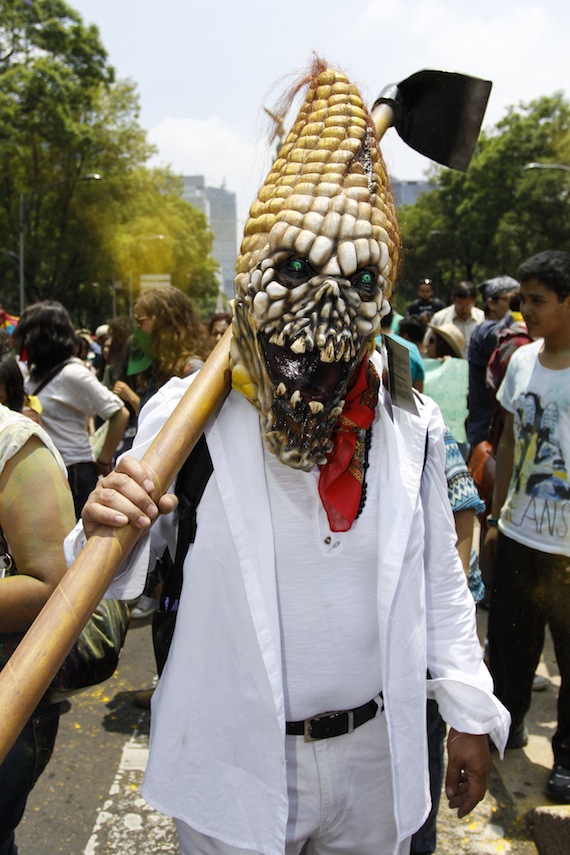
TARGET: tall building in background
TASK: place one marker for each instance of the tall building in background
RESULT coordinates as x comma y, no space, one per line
219,206
408,192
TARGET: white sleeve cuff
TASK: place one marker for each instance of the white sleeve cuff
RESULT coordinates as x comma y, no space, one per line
470,709
129,583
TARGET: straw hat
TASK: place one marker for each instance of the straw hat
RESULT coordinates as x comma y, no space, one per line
453,336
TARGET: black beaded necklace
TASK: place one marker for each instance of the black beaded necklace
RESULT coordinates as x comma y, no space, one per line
365,465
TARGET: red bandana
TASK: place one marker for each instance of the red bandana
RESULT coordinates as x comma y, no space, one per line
341,478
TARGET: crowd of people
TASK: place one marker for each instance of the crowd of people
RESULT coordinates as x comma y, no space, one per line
75,399
324,639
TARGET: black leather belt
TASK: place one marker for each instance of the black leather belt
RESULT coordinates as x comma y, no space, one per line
333,723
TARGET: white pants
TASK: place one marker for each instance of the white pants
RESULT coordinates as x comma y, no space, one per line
340,798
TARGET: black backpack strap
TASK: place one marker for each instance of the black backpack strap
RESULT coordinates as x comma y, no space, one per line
53,373
426,446
190,485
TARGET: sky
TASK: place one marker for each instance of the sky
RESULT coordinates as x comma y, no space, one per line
204,70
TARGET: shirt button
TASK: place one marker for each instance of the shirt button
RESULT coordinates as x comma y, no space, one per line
328,540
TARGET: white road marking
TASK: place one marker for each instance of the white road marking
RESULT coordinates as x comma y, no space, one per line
125,823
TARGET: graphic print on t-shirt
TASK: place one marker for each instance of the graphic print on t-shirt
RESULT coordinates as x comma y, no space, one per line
540,468
537,509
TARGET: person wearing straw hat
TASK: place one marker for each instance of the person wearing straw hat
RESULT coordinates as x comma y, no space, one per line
324,580
446,377
444,341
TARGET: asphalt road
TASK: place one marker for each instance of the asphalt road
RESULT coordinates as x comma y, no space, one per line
89,801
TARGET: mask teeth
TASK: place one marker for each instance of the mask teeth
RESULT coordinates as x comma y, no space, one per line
329,352
295,399
299,345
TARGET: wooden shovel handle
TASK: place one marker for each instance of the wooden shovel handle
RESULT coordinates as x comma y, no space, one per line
383,118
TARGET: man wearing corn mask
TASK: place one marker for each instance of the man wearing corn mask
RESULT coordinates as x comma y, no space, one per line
324,575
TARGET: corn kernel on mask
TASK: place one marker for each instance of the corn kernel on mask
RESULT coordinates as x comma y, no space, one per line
318,260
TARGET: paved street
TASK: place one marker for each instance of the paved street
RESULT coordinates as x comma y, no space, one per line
89,801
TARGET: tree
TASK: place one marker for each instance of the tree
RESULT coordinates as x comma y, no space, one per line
163,233
50,67
486,221
63,119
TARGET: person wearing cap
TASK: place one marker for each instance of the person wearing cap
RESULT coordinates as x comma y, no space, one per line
324,579
102,332
444,342
100,336
497,294
426,304
462,312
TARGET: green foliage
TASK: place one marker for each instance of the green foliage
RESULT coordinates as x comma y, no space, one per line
163,234
487,221
64,119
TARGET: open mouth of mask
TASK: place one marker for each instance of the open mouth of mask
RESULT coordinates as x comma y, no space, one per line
307,400
303,379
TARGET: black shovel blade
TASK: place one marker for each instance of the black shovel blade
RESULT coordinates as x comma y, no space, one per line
439,114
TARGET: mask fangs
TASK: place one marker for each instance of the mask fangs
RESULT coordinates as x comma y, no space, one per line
306,332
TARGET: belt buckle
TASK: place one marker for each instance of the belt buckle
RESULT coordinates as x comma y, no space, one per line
308,736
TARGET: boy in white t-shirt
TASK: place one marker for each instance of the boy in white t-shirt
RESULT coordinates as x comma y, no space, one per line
529,529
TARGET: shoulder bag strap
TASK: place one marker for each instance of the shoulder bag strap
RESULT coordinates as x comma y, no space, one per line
53,373
190,485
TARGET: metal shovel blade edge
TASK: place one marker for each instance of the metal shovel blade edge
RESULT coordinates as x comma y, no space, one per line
439,114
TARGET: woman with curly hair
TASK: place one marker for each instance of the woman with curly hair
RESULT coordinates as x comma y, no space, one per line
170,342
177,338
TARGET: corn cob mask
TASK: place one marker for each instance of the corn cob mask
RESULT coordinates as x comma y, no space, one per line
318,260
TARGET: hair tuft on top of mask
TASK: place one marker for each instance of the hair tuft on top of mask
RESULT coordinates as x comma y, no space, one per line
328,182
